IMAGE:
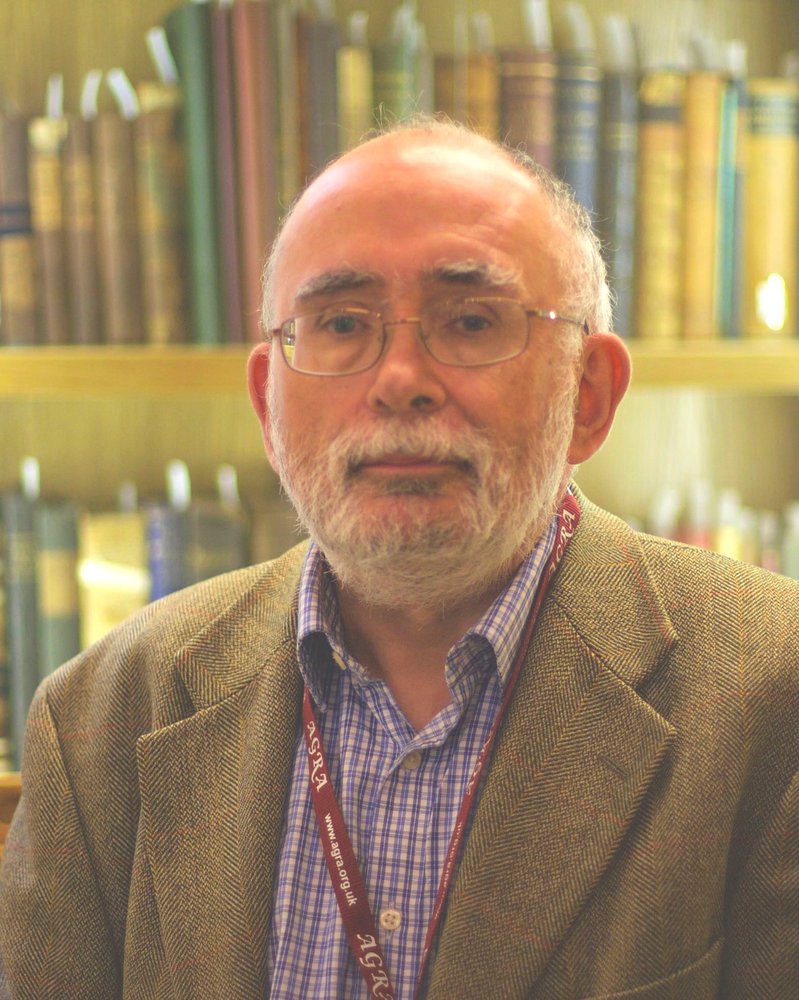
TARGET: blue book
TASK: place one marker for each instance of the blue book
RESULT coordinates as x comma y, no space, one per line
578,121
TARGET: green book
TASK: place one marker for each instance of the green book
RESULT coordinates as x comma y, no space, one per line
21,620
55,526
188,29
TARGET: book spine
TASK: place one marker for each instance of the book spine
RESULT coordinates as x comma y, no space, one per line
578,117
323,42
771,215
18,293
56,538
46,139
288,103
160,178
6,745
355,94
394,79
20,573
80,225
167,548
527,102
113,577
661,167
189,31
226,184
256,126
618,164
704,92
118,229
730,207
216,540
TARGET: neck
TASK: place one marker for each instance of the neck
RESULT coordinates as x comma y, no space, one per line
407,647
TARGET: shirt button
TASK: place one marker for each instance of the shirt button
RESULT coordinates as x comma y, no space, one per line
390,919
412,760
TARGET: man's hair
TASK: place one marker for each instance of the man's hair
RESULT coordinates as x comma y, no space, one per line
581,264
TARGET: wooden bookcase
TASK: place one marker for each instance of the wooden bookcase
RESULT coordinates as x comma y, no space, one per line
95,416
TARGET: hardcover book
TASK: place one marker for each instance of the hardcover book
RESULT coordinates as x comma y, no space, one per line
661,170
18,290
55,526
771,209
80,225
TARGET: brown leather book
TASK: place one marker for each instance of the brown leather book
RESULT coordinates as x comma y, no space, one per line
527,101
160,187
46,139
80,231
467,89
256,142
17,256
117,229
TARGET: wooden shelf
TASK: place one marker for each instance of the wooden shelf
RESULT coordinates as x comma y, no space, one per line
69,371
96,371
738,366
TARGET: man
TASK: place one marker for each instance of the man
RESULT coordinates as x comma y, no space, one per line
481,739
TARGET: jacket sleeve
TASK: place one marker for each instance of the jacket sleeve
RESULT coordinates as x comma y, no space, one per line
55,939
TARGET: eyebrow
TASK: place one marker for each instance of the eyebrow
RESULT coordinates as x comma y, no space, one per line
474,273
341,280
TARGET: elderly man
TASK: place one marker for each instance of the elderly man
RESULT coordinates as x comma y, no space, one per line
478,739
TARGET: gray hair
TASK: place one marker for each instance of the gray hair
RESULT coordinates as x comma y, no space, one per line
581,264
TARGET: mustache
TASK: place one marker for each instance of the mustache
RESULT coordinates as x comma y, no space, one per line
467,448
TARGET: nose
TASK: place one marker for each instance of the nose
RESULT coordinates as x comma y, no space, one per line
406,378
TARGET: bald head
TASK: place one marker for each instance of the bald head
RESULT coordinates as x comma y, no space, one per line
428,148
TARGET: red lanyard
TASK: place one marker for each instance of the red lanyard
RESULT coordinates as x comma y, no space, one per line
342,866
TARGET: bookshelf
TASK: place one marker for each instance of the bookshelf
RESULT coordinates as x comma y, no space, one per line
125,411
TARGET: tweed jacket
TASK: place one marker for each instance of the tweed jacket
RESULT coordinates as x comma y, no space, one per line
637,833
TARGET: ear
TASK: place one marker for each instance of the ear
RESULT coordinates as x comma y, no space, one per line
603,383
257,377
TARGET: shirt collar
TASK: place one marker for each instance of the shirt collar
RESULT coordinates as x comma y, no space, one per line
320,643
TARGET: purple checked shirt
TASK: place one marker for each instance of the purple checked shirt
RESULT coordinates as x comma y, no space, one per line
399,790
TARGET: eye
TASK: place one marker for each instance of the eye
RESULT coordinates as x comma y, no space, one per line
466,318
345,322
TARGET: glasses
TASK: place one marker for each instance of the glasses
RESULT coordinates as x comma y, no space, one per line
464,333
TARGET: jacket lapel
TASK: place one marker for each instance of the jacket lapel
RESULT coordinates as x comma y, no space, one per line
213,791
574,760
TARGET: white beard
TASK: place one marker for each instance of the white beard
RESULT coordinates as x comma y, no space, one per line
424,558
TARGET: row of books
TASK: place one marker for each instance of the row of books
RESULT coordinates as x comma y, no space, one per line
149,222
68,575
720,521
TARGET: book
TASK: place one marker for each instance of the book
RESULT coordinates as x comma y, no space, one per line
771,209
80,218
618,161
225,166
319,88
188,29
217,539
18,290
732,150
161,212
527,102
579,95
354,83
467,82
117,215
46,137
6,745
704,95
394,67
287,151
55,528
16,510
255,138
113,577
80,228
661,167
